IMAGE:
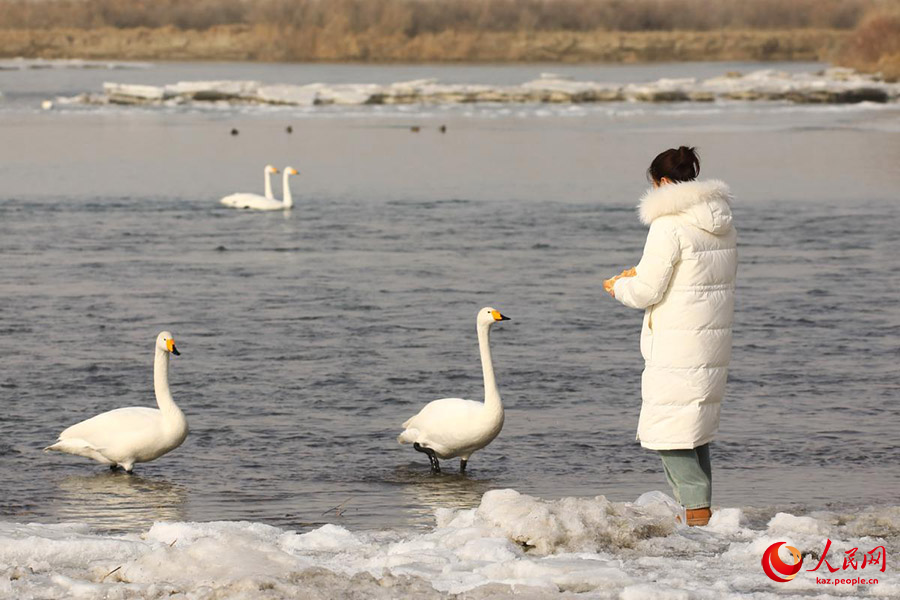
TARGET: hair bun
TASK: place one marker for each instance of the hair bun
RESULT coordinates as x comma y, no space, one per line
681,164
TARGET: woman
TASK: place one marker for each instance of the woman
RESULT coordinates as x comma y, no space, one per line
685,283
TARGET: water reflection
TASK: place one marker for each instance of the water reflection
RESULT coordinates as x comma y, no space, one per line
116,501
426,492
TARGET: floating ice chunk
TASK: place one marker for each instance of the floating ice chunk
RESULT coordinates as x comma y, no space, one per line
328,537
830,86
658,497
726,521
349,94
572,524
448,517
129,93
876,522
168,533
490,550
190,555
23,64
213,90
556,77
571,573
767,75
40,546
414,84
788,523
78,589
663,90
297,95
652,591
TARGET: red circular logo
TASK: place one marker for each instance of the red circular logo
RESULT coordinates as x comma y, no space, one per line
777,569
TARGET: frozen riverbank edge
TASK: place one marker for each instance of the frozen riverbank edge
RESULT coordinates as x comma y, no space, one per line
832,86
511,545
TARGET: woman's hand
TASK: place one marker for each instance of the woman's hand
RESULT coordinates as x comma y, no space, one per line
609,284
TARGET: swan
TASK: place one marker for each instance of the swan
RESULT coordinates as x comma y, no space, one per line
124,436
454,427
269,202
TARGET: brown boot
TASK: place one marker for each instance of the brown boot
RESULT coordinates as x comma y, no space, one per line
697,517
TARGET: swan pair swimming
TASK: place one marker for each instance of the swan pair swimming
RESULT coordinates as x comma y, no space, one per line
443,429
267,202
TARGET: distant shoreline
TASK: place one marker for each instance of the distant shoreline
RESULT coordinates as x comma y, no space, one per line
267,43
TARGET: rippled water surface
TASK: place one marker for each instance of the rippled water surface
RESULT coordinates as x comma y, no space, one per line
308,338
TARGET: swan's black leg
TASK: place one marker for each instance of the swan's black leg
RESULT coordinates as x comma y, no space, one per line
435,466
113,467
462,465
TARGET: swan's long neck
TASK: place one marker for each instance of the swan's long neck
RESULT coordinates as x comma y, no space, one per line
161,385
268,184
288,200
491,393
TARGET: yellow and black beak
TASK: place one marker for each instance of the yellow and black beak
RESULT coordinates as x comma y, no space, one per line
498,317
170,346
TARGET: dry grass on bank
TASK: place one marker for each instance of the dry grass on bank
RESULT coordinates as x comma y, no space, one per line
271,43
455,30
416,17
875,45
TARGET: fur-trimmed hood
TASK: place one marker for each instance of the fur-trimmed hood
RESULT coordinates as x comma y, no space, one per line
706,204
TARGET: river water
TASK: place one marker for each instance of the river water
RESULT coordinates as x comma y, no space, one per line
308,337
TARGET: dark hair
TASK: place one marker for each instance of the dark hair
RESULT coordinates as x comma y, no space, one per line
682,164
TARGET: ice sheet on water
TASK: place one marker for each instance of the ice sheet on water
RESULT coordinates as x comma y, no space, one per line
25,64
832,86
512,544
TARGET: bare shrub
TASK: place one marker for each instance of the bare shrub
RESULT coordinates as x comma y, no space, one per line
875,45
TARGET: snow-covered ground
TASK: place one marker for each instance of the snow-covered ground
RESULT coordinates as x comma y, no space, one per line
511,545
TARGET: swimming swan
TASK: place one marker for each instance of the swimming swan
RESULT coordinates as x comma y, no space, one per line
269,202
455,427
267,170
125,436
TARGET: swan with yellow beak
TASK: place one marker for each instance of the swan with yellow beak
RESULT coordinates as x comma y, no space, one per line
268,202
454,427
125,436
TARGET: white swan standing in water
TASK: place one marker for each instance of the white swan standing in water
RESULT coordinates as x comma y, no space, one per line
269,202
454,427
125,436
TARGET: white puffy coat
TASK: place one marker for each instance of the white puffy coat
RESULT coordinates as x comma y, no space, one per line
685,281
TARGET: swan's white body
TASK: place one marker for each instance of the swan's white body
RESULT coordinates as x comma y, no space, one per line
267,202
125,436
454,427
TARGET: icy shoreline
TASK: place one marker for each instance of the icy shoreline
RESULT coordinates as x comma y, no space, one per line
833,86
511,544
31,64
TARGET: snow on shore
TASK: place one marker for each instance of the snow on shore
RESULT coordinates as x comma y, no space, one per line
511,545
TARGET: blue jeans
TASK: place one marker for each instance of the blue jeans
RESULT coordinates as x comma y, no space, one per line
690,475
